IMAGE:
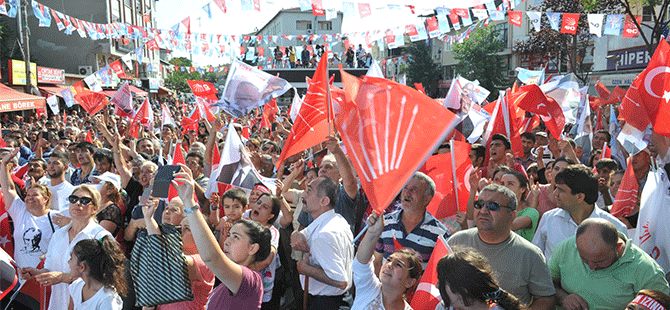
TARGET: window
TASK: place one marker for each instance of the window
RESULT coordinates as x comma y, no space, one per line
126,2
325,25
303,25
502,30
647,14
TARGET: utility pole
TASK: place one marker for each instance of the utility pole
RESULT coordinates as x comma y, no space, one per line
24,33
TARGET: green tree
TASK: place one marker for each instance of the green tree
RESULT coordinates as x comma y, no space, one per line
421,68
479,59
177,79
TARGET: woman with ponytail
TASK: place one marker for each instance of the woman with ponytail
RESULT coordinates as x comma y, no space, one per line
466,281
99,266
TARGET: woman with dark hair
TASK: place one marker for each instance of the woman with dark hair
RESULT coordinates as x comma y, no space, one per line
466,281
99,266
650,300
527,216
399,274
247,244
84,203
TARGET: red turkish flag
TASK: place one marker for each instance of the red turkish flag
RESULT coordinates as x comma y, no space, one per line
630,30
91,101
607,152
6,242
644,102
427,295
528,123
602,90
532,99
440,169
504,120
626,196
203,89
388,130
189,123
570,23
177,158
270,110
89,137
515,18
317,8
311,126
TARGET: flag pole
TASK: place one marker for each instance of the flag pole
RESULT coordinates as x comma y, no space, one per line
330,130
453,172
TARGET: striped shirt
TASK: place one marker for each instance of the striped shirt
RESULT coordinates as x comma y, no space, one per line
421,239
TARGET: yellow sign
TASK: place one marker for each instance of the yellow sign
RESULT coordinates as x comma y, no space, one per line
17,72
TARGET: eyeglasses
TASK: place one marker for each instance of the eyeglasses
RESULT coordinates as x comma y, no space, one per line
491,205
82,200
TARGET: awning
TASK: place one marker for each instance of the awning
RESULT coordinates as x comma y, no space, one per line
136,91
11,100
52,90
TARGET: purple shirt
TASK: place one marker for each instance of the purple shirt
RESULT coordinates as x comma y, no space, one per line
248,297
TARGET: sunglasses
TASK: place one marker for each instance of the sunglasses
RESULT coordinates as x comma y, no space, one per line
82,200
491,205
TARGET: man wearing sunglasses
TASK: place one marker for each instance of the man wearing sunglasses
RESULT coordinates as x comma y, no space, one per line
520,265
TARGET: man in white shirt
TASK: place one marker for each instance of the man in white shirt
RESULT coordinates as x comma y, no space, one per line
327,243
59,187
576,193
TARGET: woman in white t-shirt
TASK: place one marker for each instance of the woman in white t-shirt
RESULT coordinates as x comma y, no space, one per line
33,222
84,203
99,266
400,273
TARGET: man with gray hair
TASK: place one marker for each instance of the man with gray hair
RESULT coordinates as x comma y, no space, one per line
520,265
411,226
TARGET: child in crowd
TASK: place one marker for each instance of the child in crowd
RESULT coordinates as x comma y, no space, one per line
99,266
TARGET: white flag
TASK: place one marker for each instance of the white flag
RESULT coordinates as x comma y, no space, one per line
535,18
596,24
652,231
166,118
53,104
93,82
480,13
128,61
295,105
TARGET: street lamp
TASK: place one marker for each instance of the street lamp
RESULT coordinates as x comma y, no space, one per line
616,59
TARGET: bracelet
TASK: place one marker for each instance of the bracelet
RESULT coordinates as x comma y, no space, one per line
191,209
281,197
214,208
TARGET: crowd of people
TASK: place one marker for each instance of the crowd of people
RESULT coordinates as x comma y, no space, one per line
287,57
537,232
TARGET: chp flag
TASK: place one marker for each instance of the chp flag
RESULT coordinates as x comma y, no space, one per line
388,129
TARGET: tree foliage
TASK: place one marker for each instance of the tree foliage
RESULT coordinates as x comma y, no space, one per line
421,68
479,59
563,47
177,79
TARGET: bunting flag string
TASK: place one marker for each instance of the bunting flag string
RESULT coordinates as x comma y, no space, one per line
448,20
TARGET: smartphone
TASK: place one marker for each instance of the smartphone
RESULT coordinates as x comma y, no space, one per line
163,179
46,135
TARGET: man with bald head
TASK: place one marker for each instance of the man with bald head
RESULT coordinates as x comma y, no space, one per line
600,268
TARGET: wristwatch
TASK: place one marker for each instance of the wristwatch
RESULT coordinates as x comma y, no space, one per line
191,209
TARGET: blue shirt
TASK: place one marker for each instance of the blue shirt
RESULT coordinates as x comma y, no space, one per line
421,239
